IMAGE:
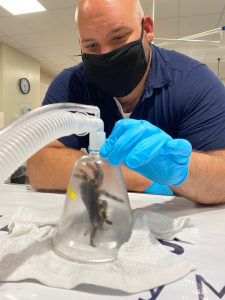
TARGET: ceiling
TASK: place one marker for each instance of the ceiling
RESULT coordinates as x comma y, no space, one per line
51,37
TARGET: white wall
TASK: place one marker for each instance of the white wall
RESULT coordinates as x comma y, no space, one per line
16,65
44,84
223,80
43,90
45,78
1,119
1,80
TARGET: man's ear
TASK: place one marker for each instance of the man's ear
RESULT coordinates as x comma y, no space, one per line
149,27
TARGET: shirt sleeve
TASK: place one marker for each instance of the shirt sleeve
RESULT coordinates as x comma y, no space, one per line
202,110
65,88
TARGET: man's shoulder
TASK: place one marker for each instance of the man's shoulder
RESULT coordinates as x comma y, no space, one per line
177,61
72,72
70,85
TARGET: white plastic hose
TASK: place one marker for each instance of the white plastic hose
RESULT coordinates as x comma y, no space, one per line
25,136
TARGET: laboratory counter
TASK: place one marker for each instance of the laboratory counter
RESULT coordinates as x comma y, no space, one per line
207,282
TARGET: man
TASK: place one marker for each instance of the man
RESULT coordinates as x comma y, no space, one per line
180,97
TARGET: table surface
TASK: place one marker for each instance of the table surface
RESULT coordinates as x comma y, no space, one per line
208,282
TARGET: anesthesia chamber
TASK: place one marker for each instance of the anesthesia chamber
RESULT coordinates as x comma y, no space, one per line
96,218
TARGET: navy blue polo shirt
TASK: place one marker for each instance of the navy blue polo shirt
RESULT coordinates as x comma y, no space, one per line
182,96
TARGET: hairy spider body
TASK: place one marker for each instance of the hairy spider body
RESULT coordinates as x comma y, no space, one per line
90,194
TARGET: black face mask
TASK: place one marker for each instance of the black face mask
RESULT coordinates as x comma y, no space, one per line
119,71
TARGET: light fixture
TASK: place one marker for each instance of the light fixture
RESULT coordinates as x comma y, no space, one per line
17,7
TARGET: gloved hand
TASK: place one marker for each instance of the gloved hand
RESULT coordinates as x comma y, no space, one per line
158,189
146,149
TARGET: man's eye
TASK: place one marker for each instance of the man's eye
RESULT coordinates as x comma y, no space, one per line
119,37
91,46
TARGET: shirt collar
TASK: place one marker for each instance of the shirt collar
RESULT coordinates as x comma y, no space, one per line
158,75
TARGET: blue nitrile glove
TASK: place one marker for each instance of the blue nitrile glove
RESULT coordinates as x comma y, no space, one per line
158,189
148,150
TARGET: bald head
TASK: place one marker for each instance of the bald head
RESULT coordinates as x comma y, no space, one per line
130,9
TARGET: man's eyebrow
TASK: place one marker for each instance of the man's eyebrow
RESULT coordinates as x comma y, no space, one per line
118,29
87,40
110,33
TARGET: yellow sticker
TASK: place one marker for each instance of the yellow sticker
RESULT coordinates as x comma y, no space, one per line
71,193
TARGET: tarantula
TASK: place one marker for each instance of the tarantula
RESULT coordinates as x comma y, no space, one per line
90,193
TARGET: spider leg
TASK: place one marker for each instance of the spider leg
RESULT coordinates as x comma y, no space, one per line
85,173
80,176
97,172
90,166
97,166
105,205
93,234
100,172
102,192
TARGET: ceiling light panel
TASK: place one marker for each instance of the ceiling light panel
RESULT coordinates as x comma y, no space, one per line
18,7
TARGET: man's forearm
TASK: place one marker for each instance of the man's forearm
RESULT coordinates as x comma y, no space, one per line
51,168
206,178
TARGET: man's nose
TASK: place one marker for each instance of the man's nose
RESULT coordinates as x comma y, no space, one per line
106,49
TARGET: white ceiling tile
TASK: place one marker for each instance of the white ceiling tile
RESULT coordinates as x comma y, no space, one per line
55,4
42,21
146,5
214,53
44,61
13,26
31,40
62,37
29,53
164,44
169,47
53,70
66,66
45,70
197,24
205,38
159,40
66,16
213,50
76,59
75,32
222,74
222,64
61,60
213,66
70,49
216,37
8,41
47,51
214,57
166,27
200,7
192,50
222,21
199,57
165,9
4,12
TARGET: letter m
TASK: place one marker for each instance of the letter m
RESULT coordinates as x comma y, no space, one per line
199,280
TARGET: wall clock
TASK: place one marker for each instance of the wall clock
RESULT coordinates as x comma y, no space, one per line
24,86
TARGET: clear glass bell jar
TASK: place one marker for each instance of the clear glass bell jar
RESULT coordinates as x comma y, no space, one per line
96,218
